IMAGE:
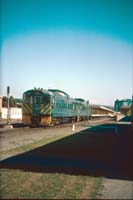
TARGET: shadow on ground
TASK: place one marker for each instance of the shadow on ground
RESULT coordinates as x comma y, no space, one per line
104,150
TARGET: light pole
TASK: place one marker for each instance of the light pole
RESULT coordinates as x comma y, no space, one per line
8,91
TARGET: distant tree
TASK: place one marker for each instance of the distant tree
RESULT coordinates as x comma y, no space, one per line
12,102
19,102
4,102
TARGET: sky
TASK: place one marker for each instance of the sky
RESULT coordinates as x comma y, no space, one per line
83,47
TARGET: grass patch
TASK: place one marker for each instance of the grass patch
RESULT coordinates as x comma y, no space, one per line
16,184
96,187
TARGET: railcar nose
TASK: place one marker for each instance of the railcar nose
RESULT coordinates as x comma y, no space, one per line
36,108
35,120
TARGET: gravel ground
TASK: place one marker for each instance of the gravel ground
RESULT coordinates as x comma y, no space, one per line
116,189
11,138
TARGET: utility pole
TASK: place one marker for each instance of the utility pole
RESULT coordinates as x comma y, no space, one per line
88,110
78,113
8,106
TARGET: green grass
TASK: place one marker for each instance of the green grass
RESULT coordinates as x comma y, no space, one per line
16,184
96,187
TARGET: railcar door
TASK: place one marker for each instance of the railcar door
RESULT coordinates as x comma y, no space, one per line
36,105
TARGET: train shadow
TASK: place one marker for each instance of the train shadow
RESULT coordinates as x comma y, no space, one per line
104,150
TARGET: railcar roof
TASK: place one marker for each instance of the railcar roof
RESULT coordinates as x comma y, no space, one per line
50,91
79,99
60,92
37,90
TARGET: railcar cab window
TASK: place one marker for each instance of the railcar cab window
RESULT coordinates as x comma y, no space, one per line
45,100
37,100
27,98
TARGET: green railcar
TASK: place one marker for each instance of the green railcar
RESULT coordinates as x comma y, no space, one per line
51,107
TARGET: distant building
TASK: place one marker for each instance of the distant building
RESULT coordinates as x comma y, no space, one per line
15,110
98,110
0,104
14,113
123,106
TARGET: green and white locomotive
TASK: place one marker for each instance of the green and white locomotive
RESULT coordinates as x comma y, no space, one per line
50,107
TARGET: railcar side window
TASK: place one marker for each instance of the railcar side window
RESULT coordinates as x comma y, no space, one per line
57,104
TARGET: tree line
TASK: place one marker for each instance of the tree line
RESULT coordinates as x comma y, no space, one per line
13,102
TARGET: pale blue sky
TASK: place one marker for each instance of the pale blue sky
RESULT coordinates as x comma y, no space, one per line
81,47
